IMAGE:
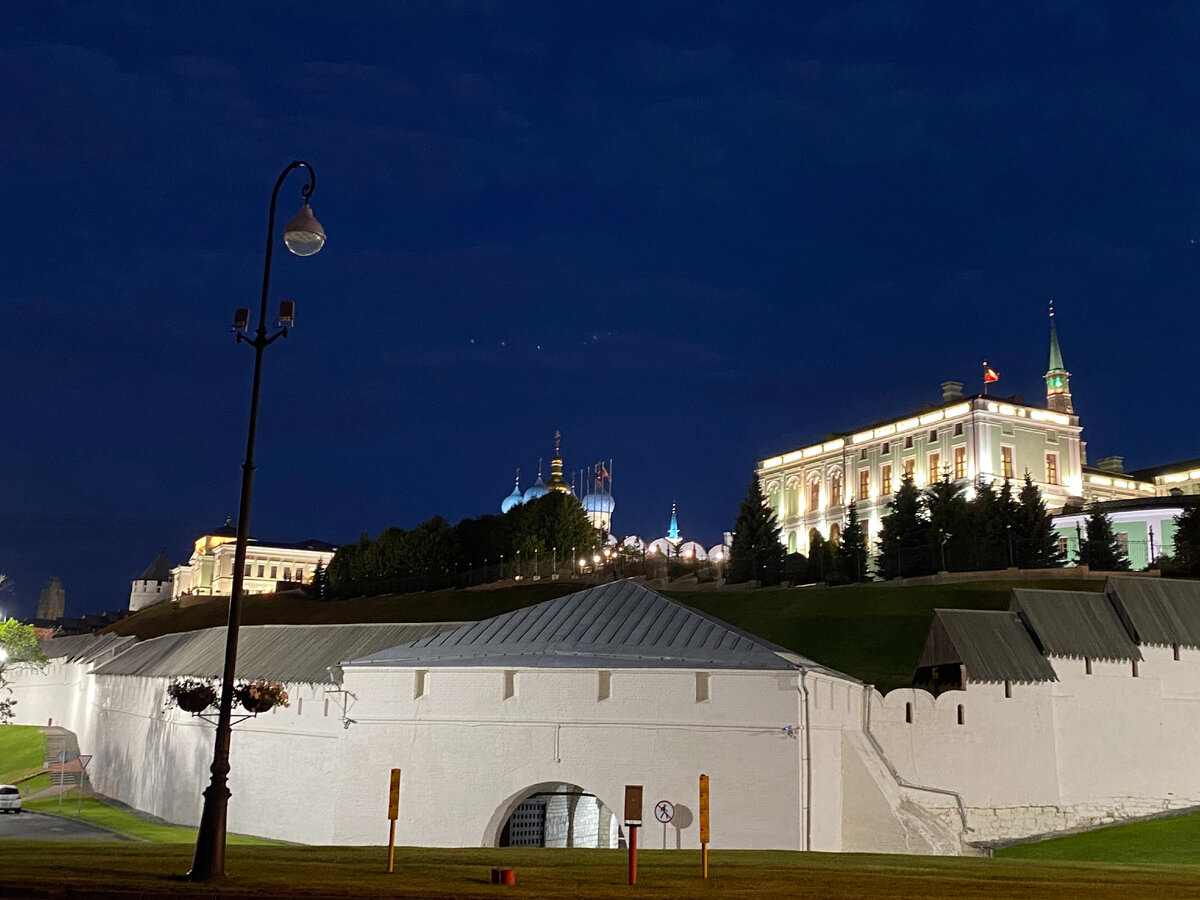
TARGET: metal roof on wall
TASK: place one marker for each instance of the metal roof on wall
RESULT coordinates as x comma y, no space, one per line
1158,611
621,624
85,648
1074,624
992,645
289,653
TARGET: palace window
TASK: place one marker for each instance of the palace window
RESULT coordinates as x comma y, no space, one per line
908,442
909,467
261,570
960,462
1006,461
274,571
814,496
935,465
886,446
864,484
835,489
958,429
932,435
885,479
1051,468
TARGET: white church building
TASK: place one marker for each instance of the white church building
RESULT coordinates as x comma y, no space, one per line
524,729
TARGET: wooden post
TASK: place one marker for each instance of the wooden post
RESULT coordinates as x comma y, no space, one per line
633,830
704,835
393,814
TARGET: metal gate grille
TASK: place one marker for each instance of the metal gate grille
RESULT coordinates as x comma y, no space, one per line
527,827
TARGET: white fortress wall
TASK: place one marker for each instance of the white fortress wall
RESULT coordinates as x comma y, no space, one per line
1087,750
469,754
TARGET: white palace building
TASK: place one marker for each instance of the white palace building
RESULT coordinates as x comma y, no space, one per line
971,438
1068,710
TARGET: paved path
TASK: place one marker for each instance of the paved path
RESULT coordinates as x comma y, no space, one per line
28,825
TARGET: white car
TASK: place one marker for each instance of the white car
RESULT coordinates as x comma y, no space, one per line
10,799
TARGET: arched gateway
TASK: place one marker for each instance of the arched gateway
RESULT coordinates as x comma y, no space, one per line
554,814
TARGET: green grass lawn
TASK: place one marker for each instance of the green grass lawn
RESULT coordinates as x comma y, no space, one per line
22,752
1170,840
124,821
572,874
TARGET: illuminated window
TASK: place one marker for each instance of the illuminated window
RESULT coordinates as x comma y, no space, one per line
885,479
814,495
908,442
909,467
835,489
935,466
960,462
274,571
1062,546
261,570
886,446
1006,461
932,435
958,429
1122,542
864,484
1051,468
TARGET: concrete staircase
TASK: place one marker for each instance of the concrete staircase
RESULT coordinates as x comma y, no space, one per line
59,741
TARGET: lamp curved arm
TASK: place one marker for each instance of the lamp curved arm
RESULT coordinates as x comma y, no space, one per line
305,193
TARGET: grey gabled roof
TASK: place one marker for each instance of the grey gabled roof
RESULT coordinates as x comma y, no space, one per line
621,624
288,653
991,645
1158,611
1074,624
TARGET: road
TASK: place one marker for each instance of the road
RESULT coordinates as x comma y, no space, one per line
34,826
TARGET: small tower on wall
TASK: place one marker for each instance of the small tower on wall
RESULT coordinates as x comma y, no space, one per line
1058,379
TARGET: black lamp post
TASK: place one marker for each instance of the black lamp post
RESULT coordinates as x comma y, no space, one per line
303,236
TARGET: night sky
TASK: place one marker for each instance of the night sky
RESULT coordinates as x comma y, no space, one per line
689,236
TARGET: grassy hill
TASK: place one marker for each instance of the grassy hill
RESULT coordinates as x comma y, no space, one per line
873,632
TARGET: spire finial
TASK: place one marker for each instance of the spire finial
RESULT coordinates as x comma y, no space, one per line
518,476
1052,307
539,467
557,442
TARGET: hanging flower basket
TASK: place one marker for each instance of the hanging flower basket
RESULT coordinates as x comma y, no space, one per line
260,696
193,695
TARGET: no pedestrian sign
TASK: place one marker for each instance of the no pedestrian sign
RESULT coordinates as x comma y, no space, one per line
664,811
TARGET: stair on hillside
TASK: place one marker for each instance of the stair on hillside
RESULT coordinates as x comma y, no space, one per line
62,746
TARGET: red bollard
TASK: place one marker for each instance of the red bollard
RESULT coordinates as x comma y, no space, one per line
504,876
633,830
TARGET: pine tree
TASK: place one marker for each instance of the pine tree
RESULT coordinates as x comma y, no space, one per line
1099,549
904,540
756,551
1187,540
853,558
1036,544
950,520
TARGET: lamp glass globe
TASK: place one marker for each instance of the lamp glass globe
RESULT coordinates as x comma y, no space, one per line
304,235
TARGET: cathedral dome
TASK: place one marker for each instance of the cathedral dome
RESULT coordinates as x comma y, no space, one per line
599,502
513,499
535,490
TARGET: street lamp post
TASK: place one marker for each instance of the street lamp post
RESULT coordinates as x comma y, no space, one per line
303,236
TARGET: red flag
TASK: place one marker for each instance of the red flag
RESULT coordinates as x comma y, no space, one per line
989,375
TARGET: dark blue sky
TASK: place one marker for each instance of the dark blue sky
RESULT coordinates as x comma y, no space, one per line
687,235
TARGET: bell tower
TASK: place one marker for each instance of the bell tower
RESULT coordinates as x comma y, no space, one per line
1058,379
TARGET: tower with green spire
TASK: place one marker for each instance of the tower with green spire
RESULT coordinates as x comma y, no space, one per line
1058,379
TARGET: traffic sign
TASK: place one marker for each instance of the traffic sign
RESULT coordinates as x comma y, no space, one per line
664,811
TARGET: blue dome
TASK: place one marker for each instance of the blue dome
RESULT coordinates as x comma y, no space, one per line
601,502
535,490
513,499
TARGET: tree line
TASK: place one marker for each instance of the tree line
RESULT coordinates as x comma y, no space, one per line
924,531
530,534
